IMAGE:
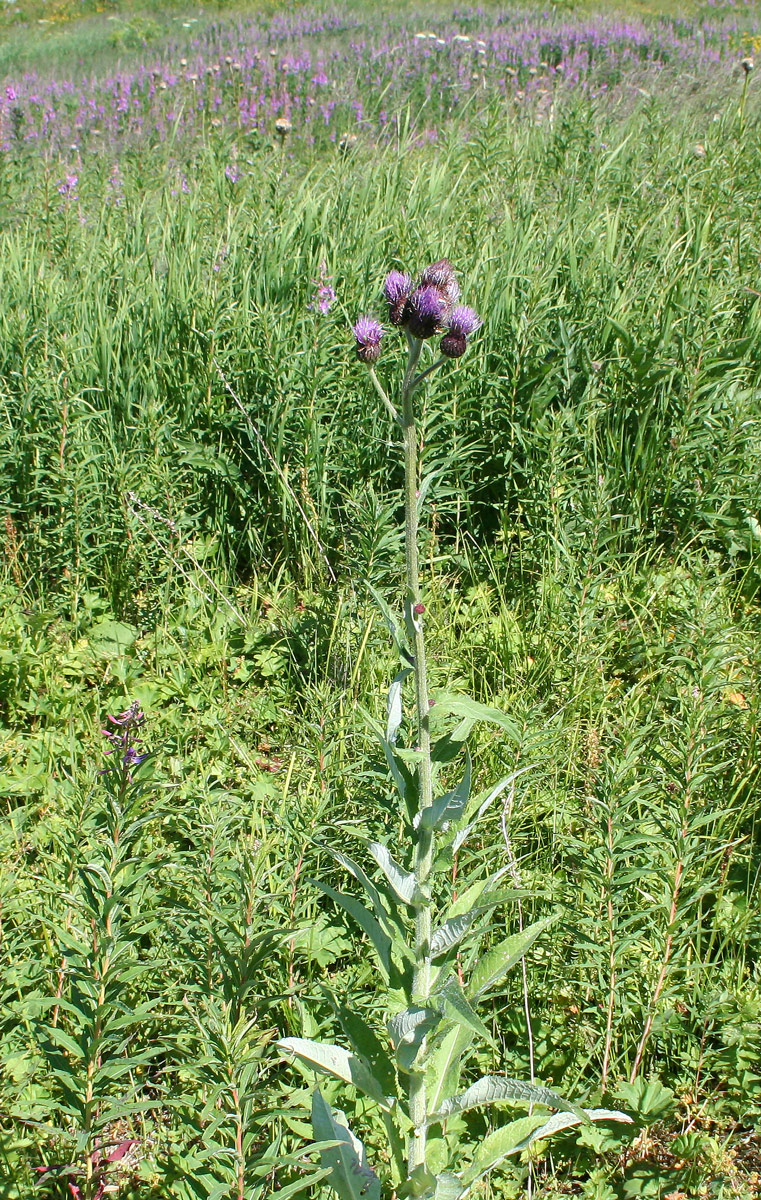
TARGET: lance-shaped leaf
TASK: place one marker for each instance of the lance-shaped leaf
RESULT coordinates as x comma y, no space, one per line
498,1146
394,718
366,921
366,1044
350,1176
404,779
444,1065
383,911
519,1135
402,882
464,706
567,1120
452,932
493,1089
495,964
394,627
451,806
462,836
407,1031
335,1061
454,1003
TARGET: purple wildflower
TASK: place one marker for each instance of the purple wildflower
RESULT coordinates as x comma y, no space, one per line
325,293
68,187
396,289
425,312
461,323
124,739
368,333
232,173
11,93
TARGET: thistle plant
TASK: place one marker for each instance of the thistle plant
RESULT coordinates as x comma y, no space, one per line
436,956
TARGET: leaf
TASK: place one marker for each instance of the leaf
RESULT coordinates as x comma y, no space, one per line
443,1069
403,882
407,1031
393,627
350,1176
463,706
494,1089
458,1009
496,791
362,878
567,1120
339,1063
498,1145
448,1186
366,921
394,719
367,1044
451,806
496,963
452,932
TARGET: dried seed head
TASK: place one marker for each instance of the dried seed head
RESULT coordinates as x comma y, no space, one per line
368,333
747,64
283,127
441,275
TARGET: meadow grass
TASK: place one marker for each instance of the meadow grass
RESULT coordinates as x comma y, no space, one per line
198,486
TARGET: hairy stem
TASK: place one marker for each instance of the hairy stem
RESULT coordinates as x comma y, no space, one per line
424,846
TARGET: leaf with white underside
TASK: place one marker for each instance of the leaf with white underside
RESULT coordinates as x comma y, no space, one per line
335,1061
494,1089
407,1031
519,1135
451,806
495,964
403,882
350,1176
452,932
567,1120
394,718
366,921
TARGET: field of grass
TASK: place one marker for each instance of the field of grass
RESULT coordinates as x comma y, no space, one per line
199,484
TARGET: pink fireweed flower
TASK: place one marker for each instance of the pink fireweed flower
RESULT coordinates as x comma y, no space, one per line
324,293
396,289
461,323
368,333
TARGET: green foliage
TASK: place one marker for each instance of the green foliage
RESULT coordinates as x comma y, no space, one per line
591,580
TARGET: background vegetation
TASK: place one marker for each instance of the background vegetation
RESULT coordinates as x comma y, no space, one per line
198,486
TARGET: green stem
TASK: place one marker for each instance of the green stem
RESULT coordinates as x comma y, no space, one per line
424,848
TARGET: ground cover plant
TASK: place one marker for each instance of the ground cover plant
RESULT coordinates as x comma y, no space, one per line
202,518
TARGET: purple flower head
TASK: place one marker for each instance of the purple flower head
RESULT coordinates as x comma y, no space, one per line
368,333
124,739
396,289
461,323
11,93
425,312
441,275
